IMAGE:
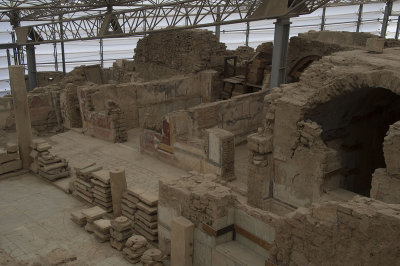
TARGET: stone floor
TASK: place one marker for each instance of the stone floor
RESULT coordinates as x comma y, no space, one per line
35,219
141,170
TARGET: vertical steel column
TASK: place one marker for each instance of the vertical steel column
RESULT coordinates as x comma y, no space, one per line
397,29
55,54
8,57
388,12
359,20
32,73
101,53
247,33
62,45
323,19
279,56
218,27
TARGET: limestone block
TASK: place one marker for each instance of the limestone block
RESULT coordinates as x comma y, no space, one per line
182,232
375,45
118,187
7,157
385,187
221,151
10,166
11,147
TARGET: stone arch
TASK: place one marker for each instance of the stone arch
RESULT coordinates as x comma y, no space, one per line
301,156
354,113
299,67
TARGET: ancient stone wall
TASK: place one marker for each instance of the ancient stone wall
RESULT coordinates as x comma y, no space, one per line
162,55
386,182
362,231
311,124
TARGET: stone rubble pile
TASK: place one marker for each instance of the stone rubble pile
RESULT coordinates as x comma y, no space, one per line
93,214
46,164
9,159
121,230
82,184
102,230
102,189
135,246
153,257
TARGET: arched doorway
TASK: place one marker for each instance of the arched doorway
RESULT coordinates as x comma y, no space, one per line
355,125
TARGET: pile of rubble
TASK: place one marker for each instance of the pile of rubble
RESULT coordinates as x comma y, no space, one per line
134,248
46,164
121,230
9,159
82,184
153,257
102,189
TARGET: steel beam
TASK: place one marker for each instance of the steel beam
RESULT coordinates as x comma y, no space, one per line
279,55
31,60
388,12
165,16
359,20
397,29
323,19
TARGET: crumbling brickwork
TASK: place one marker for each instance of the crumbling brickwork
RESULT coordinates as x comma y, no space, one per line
362,231
164,54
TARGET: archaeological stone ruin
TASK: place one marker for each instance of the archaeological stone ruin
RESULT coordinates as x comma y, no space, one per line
190,152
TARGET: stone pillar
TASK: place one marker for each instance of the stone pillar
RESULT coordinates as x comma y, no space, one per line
118,187
182,231
21,110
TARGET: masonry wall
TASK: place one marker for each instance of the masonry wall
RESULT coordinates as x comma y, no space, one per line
42,112
162,55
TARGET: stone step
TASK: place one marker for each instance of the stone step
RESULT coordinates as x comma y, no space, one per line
235,253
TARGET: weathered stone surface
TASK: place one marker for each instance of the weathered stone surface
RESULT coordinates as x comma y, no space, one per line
182,234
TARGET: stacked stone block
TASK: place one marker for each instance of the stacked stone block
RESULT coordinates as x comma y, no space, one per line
121,230
93,214
83,185
102,230
79,218
135,246
102,189
9,159
46,164
146,215
129,204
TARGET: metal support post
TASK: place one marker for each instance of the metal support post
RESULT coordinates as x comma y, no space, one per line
388,12
101,53
397,29
247,33
32,73
8,57
218,27
279,56
62,46
359,20
323,19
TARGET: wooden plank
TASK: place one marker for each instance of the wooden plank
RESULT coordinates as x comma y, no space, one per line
262,243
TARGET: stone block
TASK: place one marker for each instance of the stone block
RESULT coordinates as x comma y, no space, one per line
11,147
10,166
375,45
182,233
7,157
118,187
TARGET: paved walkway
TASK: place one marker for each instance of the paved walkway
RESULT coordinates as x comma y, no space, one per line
35,219
141,170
